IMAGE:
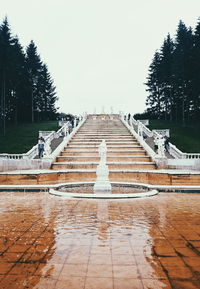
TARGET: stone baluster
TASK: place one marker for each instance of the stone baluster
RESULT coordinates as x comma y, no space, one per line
47,148
75,121
140,130
66,130
131,121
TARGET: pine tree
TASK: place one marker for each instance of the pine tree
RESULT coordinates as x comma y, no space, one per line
34,67
5,61
196,74
154,99
174,73
26,87
182,70
166,67
18,82
46,95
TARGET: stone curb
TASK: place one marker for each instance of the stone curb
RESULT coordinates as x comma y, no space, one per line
102,196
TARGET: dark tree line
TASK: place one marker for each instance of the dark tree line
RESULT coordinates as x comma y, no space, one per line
27,91
174,77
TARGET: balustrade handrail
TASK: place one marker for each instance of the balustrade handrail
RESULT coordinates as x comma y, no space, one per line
192,156
62,129
12,156
146,130
173,150
34,150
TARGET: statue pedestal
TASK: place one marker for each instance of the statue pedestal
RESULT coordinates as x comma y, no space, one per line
102,184
161,162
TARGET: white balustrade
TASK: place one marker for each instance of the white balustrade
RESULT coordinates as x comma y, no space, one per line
62,122
134,121
12,156
45,133
145,129
175,152
142,130
48,136
75,121
192,156
32,152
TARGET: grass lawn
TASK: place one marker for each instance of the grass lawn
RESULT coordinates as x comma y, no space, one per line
186,138
22,137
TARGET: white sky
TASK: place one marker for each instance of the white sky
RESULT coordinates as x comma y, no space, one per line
98,51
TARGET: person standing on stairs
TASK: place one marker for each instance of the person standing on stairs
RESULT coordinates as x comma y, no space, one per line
41,142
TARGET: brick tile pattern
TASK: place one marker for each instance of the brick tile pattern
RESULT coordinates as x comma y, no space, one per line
54,243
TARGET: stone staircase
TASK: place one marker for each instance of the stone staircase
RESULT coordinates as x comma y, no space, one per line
128,162
123,150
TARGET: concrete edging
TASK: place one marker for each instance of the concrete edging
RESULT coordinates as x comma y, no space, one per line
102,196
160,188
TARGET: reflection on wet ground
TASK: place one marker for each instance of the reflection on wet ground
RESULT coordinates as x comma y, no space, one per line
50,242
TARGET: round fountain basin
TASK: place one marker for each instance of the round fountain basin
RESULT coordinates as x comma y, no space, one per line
119,191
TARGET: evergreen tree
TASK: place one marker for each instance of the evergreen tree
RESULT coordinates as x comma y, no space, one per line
46,95
18,83
196,74
6,42
174,77
154,99
26,87
166,69
34,67
182,70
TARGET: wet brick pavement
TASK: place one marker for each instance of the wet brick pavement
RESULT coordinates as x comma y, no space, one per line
55,243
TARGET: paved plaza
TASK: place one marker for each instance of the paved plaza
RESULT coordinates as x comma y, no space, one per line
56,243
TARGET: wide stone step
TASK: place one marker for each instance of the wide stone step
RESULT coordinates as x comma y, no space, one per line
93,149
97,143
109,153
108,137
111,165
105,138
88,146
100,130
103,132
99,140
180,180
77,159
153,177
116,129
109,159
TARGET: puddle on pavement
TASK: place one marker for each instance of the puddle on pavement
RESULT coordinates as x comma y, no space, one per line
47,242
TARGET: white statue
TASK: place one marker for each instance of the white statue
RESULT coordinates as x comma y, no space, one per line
102,151
102,183
160,143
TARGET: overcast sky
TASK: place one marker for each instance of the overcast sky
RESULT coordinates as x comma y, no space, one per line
98,51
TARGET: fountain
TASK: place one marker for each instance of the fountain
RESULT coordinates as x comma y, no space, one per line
102,187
